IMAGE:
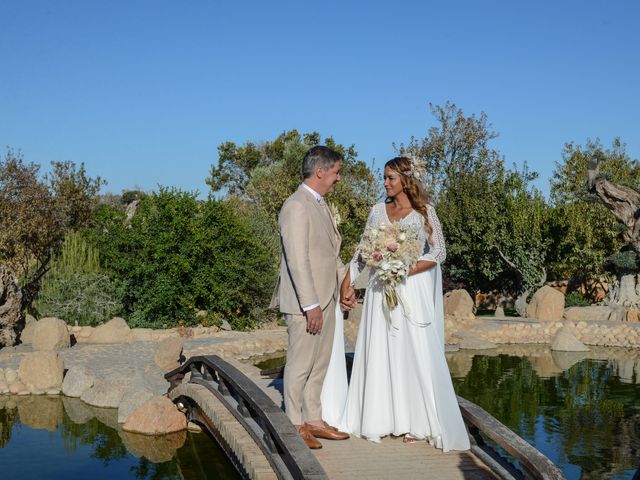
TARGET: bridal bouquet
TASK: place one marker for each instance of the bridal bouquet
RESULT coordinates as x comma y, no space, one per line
392,250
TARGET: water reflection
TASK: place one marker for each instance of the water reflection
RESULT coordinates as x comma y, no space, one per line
583,413
62,437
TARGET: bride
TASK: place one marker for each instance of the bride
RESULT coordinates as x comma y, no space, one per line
400,382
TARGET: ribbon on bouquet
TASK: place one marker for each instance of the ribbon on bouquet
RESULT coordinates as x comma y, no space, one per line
392,291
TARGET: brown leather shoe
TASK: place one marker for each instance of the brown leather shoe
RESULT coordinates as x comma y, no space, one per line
311,441
326,431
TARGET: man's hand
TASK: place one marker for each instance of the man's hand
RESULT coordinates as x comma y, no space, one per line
314,320
347,298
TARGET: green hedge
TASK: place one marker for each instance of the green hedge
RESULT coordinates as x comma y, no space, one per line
179,255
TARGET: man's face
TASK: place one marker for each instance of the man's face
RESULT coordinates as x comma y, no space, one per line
329,177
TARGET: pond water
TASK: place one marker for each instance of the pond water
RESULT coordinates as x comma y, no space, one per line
582,410
582,413
56,437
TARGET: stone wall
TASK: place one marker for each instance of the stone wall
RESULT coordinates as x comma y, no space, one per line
600,333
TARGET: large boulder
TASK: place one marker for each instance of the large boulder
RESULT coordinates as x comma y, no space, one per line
565,341
592,312
106,392
547,304
76,381
133,398
168,354
26,336
459,304
156,417
50,334
115,330
42,370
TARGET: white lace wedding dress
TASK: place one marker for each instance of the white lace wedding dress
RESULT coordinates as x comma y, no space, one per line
400,382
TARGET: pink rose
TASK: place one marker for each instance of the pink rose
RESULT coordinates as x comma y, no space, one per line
392,246
377,256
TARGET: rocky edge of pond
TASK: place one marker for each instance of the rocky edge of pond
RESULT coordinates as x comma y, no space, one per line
115,366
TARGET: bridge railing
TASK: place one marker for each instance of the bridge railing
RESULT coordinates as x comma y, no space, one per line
261,417
533,464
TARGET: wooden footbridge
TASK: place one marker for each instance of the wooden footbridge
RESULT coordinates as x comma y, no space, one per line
245,417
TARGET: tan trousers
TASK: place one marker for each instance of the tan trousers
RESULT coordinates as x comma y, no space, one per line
307,362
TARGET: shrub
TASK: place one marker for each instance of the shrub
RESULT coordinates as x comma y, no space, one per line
179,256
576,299
75,289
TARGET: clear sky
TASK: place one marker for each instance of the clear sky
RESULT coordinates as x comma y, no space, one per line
143,91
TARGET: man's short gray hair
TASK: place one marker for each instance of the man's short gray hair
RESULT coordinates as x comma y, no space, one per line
319,157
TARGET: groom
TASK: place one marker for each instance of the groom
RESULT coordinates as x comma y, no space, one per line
307,291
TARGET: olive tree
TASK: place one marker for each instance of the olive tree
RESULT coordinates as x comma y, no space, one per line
582,231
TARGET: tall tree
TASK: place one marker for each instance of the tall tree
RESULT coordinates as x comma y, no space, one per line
35,215
492,217
265,174
582,231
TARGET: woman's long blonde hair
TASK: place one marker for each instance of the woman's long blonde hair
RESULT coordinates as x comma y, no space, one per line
418,196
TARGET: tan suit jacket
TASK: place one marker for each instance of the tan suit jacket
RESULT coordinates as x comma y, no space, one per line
310,269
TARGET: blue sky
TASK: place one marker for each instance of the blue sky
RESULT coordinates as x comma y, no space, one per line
144,91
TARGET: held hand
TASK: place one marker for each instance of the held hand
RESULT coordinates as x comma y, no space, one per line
347,298
314,320
347,293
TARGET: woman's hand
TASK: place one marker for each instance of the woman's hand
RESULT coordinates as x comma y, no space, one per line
347,293
422,266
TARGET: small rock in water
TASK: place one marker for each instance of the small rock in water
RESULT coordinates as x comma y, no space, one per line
194,427
156,417
566,341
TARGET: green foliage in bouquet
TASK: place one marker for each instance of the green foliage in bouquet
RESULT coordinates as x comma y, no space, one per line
179,256
75,289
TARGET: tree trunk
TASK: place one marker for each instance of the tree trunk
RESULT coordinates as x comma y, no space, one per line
11,319
625,292
521,303
622,201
